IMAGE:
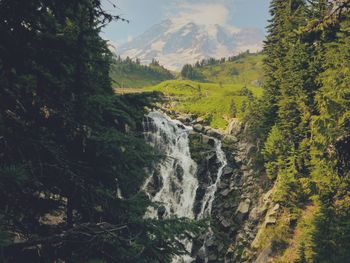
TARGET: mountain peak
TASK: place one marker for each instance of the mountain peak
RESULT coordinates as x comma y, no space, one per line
175,44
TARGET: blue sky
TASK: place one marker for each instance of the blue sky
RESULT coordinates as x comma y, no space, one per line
145,13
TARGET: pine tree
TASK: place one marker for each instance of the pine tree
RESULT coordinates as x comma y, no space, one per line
68,144
233,109
274,51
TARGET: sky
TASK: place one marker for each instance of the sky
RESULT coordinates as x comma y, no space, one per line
142,14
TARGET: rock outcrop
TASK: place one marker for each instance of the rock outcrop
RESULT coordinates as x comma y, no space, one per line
242,203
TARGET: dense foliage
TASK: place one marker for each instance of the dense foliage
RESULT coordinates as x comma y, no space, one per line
71,162
303,120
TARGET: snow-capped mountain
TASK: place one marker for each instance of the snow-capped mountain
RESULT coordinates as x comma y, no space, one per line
175,44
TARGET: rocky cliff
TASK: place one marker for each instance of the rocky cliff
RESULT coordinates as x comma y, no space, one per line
242,203
241,207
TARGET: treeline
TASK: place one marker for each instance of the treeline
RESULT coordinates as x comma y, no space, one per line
71,158
126,65
303,123
193,72
214,61
132,70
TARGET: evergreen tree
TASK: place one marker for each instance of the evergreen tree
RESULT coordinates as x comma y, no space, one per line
187,71
274,51
69,145
233,109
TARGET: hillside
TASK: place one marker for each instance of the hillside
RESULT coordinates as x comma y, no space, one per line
131,74
217,103
244,69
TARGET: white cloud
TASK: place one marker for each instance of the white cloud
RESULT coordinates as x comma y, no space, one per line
206,14
202,14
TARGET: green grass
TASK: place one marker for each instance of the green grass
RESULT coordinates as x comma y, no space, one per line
247,70
208,100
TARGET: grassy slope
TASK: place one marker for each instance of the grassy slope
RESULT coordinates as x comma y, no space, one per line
208,100
247,70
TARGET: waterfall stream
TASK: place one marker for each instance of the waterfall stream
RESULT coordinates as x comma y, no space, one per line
174,183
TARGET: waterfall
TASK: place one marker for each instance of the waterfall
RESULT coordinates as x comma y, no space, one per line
173,183
178,171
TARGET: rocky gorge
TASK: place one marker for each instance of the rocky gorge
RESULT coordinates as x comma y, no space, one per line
228,190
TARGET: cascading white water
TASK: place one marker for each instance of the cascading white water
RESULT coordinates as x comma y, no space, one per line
178,173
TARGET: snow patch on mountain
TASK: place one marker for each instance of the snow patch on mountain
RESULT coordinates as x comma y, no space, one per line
174,44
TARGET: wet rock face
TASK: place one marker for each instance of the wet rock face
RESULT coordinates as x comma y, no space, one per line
233,230
155,184
179,172
237,207
202,149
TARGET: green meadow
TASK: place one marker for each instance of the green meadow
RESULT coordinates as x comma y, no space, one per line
245,70
209,100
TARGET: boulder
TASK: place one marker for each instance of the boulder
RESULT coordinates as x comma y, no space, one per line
208,140
235,127
225,192
193,133
206,128
198,127
227,170
214,133
243,210
230,139
244,206
225,223
223,185
184,118
200,120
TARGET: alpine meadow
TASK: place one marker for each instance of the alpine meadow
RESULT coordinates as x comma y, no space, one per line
192,131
